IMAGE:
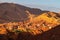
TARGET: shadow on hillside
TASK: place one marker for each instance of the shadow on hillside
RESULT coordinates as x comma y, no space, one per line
53,34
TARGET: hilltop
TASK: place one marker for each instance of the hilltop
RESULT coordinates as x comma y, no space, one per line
10,12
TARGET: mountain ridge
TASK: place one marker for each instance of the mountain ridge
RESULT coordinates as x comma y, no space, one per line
10,12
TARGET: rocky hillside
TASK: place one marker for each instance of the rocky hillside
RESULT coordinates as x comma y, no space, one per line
10,12
26,23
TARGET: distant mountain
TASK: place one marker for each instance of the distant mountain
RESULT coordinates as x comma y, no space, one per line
10,12
44,7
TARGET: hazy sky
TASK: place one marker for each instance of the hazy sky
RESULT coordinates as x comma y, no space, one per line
52,3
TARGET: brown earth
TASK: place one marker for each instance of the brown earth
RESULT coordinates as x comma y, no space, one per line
26,23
